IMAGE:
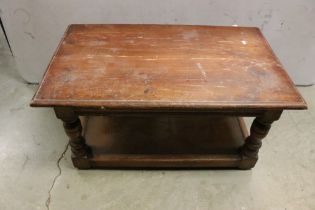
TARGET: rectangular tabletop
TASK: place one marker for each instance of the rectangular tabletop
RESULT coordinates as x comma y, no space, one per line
167,67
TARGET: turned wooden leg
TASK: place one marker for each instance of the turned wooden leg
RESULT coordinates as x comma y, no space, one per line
258,130
73,128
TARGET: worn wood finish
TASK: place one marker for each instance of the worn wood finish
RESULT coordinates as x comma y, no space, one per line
166,67
196,77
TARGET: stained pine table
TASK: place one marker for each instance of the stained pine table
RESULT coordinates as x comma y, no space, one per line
165,95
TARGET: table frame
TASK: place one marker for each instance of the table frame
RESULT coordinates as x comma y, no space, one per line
82,156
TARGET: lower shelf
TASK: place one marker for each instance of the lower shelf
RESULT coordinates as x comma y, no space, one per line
164,141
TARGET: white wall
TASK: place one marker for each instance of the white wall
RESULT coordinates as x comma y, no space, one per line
34,27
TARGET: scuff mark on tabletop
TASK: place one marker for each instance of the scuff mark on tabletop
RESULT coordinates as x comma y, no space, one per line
190,35
203,73
148,90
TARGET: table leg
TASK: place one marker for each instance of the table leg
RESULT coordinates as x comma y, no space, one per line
73,128
259,130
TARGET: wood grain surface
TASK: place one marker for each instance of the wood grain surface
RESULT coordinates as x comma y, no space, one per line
166,67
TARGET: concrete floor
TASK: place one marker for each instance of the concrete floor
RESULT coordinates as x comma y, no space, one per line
32,141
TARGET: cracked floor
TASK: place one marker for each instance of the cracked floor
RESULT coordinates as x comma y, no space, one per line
36,170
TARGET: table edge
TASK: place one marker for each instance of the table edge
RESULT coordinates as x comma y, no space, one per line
171,105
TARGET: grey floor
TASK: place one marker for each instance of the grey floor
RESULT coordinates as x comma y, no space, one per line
32,141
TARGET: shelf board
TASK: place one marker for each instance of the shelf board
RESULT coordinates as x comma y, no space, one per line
164,141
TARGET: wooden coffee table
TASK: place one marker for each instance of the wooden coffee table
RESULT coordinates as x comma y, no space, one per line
165,95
